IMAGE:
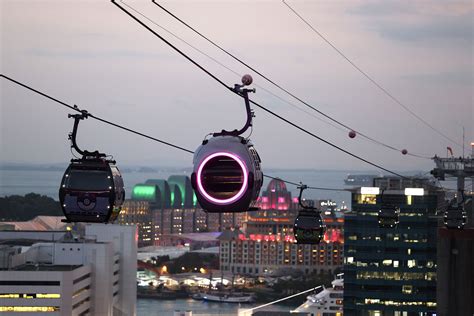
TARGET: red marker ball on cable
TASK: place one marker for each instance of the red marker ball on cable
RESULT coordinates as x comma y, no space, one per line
247,80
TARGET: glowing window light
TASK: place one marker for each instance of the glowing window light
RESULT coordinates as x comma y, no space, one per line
33,295
242,189
415,191
34,309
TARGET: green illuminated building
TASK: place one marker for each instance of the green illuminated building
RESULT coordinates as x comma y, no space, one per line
162,207
391,271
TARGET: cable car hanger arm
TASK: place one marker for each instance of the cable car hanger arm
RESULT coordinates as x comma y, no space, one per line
244,93
303,187
72,136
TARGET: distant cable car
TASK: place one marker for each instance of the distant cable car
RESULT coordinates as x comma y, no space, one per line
455,217
92,188
352,134
309,227
227,176
388,215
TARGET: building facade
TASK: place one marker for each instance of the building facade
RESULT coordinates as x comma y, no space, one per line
59,273
262,253
391,271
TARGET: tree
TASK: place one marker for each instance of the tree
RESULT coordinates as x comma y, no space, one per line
25,208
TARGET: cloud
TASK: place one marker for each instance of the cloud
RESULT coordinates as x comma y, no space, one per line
414,7
462,77
449,27
419,20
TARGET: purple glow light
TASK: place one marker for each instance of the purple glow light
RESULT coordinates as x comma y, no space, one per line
222,201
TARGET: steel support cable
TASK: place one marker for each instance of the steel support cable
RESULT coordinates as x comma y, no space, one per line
251,101
97,117
75,108
279,86
308,187
226,67
373,81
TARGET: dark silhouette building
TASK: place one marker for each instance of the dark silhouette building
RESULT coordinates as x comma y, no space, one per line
455,290
391,271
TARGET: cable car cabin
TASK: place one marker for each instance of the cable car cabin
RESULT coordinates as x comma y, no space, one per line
455,217
227,175
91,190
389,216
309,227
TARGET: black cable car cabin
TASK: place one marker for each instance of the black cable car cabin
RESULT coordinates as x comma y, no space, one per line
455,217
92,190
92,187
388,216
309,227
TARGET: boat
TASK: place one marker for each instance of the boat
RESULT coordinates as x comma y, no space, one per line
223,296
232,297
328,301
360,179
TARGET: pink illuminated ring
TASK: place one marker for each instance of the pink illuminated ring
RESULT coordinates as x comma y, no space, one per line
222,201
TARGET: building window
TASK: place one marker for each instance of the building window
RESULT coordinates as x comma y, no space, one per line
366,198
407,289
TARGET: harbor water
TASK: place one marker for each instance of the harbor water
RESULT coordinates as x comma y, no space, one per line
153,307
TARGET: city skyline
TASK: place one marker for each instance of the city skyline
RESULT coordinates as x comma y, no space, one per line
110,66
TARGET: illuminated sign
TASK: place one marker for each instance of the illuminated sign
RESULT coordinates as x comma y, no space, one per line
370,190
327,203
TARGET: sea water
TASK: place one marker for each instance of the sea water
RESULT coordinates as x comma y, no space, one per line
46,182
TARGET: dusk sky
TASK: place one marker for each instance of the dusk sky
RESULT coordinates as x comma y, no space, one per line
92,54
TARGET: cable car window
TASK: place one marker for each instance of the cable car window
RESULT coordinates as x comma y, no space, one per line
222,177
88,180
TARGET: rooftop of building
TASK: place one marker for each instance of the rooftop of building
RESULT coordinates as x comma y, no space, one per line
39,223
46,267
208,236
210,250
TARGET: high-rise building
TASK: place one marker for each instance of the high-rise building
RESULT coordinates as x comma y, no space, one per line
391,271
59,273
